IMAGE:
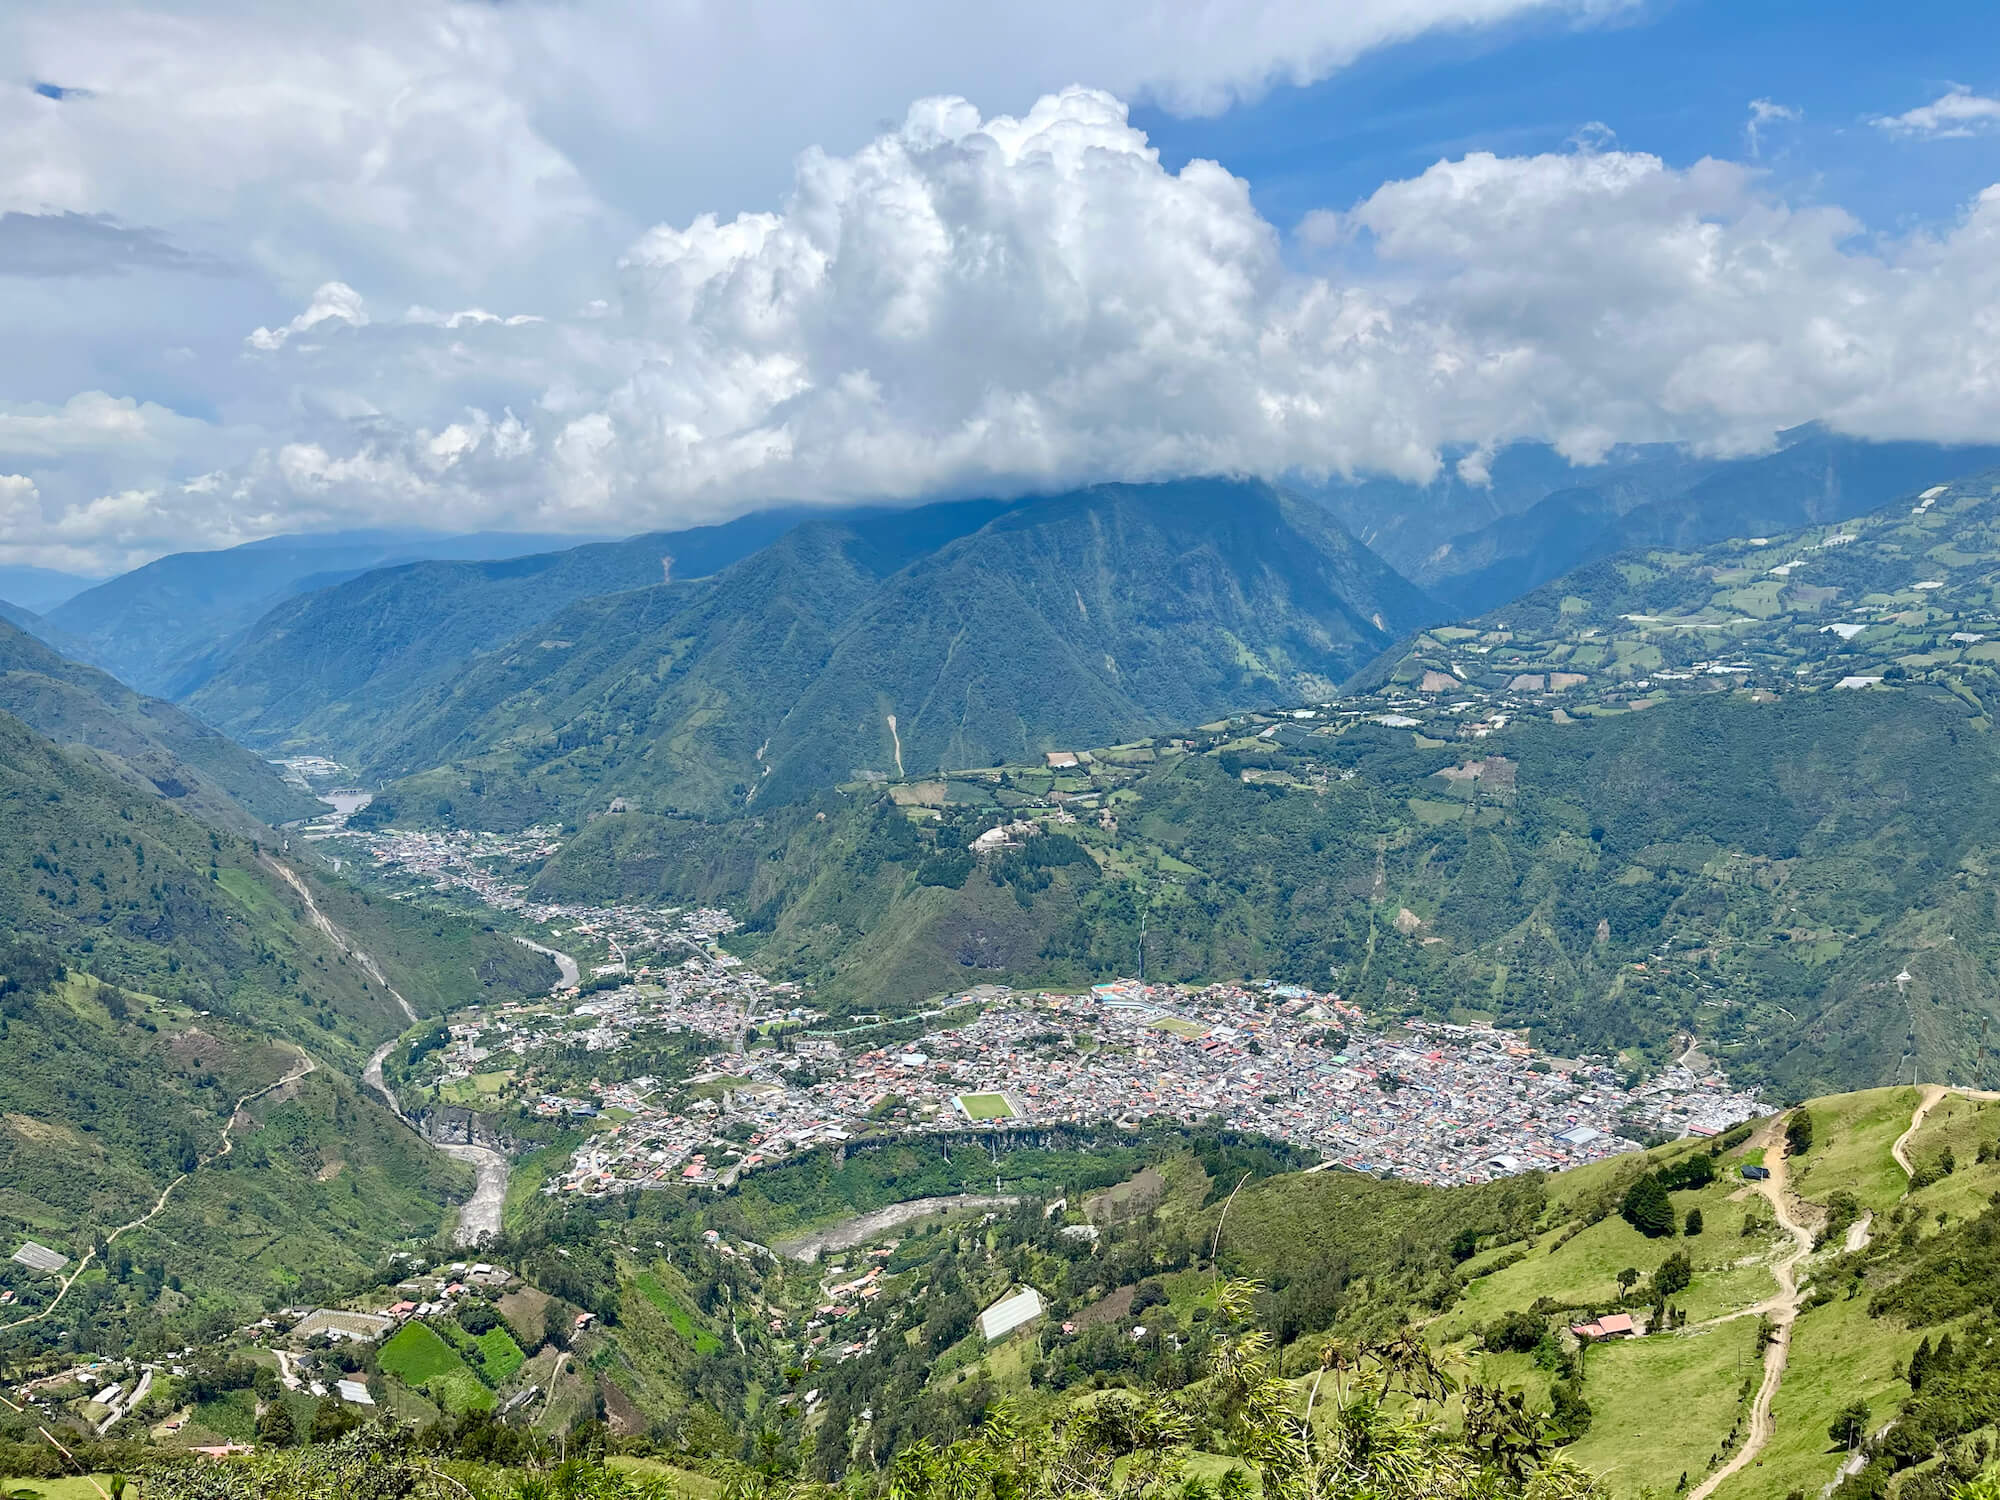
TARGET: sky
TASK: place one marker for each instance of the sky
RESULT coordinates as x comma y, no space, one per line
573,265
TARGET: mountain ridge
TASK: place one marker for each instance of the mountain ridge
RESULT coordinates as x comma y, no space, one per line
1064,618
148,741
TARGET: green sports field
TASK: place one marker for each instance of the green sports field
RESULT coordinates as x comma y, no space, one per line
986,1106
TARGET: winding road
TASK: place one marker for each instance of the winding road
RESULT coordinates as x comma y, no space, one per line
479,1216
1782,1309
1926,1102
228,1144
1933,1095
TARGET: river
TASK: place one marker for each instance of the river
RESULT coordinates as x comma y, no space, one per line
479,1215
565,965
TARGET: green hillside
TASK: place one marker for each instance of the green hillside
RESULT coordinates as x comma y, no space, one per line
1668,500
1757,874
166,626
324,670
1803,1295
895,644
1904,594
150,743
1846,1296
155,971
141,896
111,1095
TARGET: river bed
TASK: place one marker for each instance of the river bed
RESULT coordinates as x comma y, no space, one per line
860,1229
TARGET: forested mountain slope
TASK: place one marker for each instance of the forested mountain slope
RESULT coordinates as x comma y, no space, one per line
1905,593
152,743
879,646
166,626
1756,873
152,972
323,671
1648,497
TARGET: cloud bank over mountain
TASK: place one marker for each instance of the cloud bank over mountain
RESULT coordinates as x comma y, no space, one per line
449,304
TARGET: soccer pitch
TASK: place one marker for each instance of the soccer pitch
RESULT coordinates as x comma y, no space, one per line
986,1106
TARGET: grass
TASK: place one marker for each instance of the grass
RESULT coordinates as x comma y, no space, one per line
690,1484
1661,1404
416,1355
986,1106
677,1314
423,1361
1852,1134
1730,1271
459,1391
1838,1353
71,1487
499,1355
1584,1269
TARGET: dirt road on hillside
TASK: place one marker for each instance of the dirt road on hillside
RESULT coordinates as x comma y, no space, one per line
228,1144
1783,1309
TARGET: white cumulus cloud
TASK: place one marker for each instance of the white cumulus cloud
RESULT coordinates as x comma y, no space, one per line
987,302
1955,114
996,303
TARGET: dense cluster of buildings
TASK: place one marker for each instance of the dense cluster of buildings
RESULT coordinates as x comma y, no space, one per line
1428,1101
1431,1102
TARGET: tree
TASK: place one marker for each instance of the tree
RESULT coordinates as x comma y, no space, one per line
1675,1274
1625,1279
1920,1362
1515,1332
1799,1132
1647,1208
1693,1222
275,1428
332,1419
555,1325
1851,1426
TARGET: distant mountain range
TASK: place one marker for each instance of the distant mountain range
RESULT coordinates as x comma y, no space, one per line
38,590
164,627
1904,593
882,642
327,669
1476,547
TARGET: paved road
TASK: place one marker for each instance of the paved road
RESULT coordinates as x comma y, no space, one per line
121,1407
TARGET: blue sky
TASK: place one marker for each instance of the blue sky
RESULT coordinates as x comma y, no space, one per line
1674,79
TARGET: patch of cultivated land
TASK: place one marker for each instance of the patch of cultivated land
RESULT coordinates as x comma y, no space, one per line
422,1360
